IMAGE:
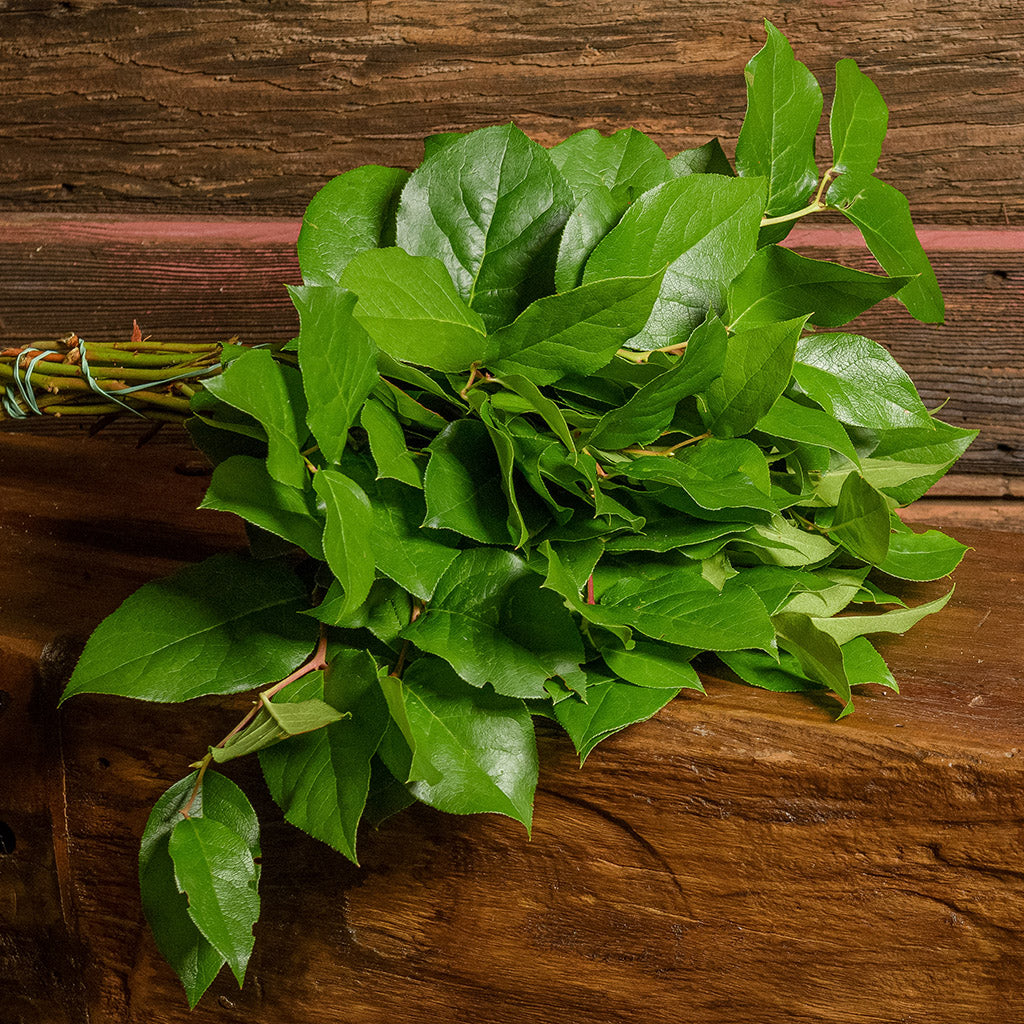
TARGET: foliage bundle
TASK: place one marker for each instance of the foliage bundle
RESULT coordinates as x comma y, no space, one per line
555,425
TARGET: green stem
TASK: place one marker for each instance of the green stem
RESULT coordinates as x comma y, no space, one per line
815,207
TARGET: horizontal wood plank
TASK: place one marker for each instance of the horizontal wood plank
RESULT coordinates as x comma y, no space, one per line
244,106
740,857
210,279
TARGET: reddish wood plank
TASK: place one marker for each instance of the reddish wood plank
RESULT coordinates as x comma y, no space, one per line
740,857
250,106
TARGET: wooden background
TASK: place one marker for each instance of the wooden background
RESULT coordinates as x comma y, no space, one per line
742,857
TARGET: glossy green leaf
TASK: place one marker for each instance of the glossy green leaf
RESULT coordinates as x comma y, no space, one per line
576,332
922,556
777,284
463,484
808,425
353,212
658,666
595,215
241,484
388,445
933,448
846,627
758,365
490,619
490,205
858,122
816,650
214,867
650,410
348,534
321,780
338,362
861,522
225,625
704,228
610,707
626,162
481,744
707,159
410,308
776,140
272,394
883,215
783,543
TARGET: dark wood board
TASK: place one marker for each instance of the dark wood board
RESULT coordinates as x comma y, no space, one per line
242,106
740,857
206,280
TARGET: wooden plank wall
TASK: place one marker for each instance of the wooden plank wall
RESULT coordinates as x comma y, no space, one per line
227,117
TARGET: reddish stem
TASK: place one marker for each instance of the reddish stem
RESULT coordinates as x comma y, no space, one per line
590,589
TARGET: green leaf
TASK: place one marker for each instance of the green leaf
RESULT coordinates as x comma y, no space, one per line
846,627
777,284
272,394
493,623
576,332
816,650
490,205
321,779
776,140
463,484
707,159
808,425
883,215
388,445
658,666
855,380
540,404
610,707
922,556
651,409
241,484
214,867
784,544
481,744
347,535
225,625
934,448
758,365
626,162
597,213
352,212
861,522
338,362
858,121
704,228
410,308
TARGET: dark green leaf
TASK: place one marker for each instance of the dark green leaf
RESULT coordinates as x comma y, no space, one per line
347,535
388,445
861,522
352,212
241,484
776,140
858,121
338,361
537,402
816,650
224,625
777,284
597,213
626,162
410,308
883,216
490,205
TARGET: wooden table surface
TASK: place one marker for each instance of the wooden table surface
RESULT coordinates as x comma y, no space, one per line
741,857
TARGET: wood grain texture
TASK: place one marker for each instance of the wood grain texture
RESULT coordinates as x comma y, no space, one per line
740,857
250,105
206,280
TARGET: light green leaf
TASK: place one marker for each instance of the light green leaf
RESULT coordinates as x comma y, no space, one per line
858,121
758,365
490,205
241,484
225,625
844,628
707,159
597,213
626,162
808,425
782,543
704,227
883,215
338,362
777,284
410,308
481,744
539,403
658,666
922,556
576,332
776,140
934,448
352,212
388,445
214,867
347,535
861,522
816,650
271,393
491,621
